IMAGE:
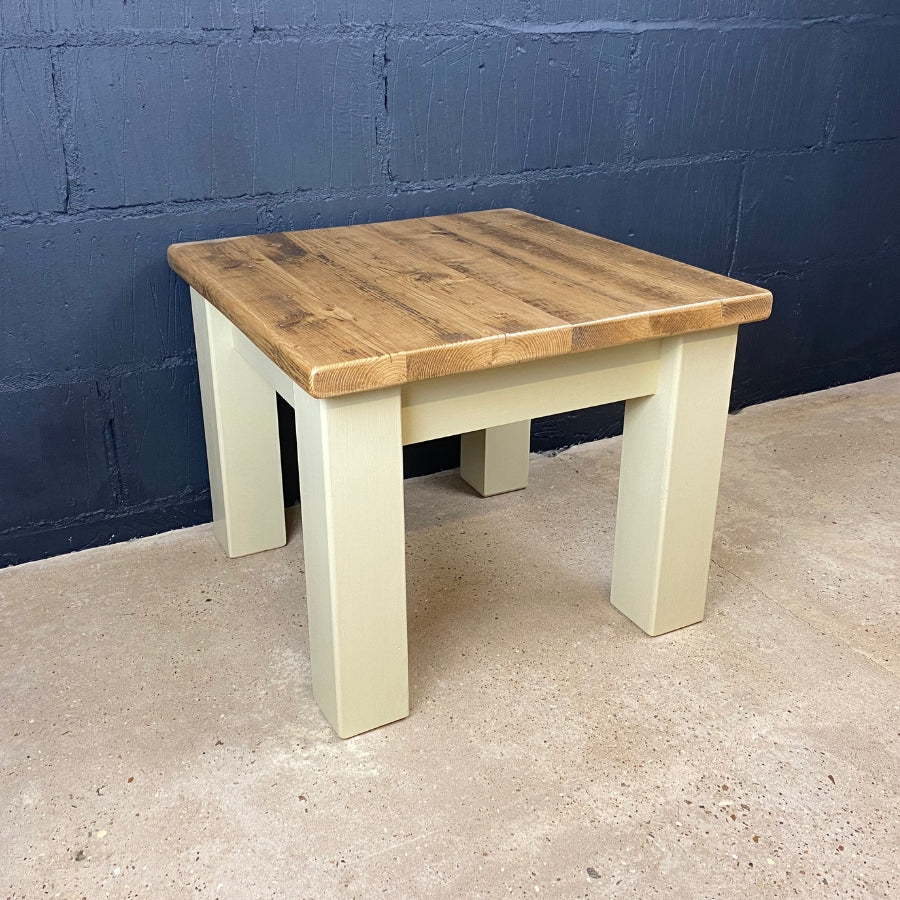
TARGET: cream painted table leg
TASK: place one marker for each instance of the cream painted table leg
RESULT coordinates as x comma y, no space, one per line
351,498
495,460
241,424
669,483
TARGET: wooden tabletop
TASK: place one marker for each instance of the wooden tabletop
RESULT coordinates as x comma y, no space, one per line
367,306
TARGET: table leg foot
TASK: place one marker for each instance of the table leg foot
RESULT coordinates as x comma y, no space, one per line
495,460
241,423
351,498
669,482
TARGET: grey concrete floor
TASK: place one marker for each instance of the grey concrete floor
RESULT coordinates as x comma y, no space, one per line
159,737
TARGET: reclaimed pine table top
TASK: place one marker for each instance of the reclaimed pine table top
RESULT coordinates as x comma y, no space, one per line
362,307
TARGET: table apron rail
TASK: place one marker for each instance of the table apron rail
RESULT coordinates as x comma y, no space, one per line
470,401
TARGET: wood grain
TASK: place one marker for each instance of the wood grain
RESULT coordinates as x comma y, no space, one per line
363,307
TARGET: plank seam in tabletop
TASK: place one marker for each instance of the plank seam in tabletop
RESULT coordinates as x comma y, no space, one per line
752,305
593,334
361,307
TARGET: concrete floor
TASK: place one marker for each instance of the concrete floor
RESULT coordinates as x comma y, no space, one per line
160,739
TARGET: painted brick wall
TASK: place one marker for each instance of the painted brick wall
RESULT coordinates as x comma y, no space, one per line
759,138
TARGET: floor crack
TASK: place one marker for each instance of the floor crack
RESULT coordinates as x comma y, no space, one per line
754,586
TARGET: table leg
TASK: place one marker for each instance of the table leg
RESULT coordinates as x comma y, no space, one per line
351,498
669,482
495,460
241,424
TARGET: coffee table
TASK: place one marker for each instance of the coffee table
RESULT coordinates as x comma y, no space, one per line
381,335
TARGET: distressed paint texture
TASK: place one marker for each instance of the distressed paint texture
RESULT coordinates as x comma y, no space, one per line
868,106
686,212
831,204
426,201
798,347
194,121
109,298
146,405
30,16
300,13
759,138
746,89
53,454
463,107
32,169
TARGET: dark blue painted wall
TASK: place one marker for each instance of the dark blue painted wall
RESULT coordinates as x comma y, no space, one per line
759,138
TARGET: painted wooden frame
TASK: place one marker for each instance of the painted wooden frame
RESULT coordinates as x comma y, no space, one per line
351,483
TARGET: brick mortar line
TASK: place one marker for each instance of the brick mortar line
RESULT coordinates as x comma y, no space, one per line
632,101
779,389
843,58
745,23
739,211
239,34
797,268
60,108
384,123
107,515
396,188
111,455
12,384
